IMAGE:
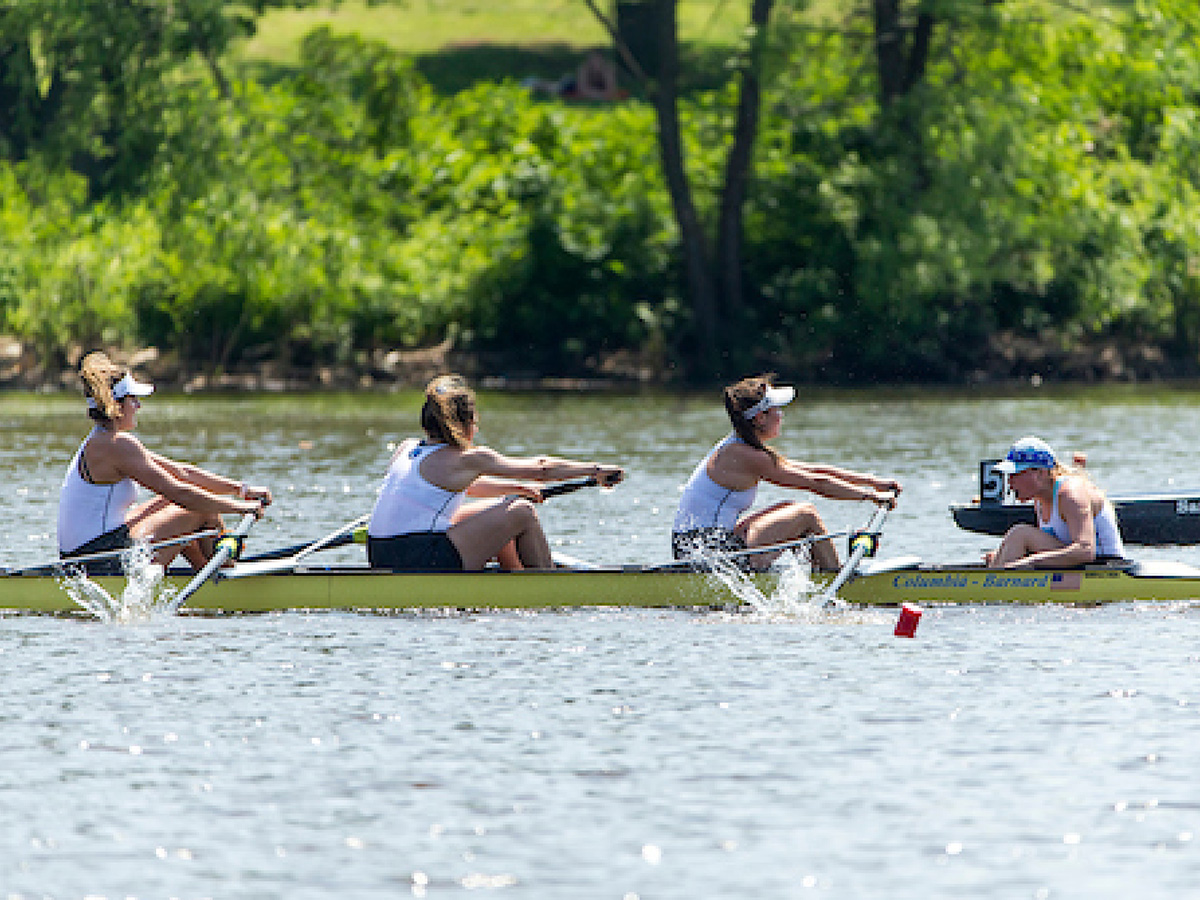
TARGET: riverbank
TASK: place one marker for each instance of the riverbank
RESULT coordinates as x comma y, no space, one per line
1009,359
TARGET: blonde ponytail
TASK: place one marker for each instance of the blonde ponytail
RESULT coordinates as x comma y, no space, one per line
99,374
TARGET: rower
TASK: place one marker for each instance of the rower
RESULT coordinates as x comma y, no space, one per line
724,484
1076,523
98,509
421,522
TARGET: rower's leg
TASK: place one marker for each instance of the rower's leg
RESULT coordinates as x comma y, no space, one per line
507,557
789,521
483,535
161,520
1021,541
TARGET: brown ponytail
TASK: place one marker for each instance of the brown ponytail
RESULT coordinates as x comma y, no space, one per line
99,374
743,396
449,411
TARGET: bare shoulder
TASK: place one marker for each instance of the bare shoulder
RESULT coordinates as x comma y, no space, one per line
1079,490
480,460
123,444
742,459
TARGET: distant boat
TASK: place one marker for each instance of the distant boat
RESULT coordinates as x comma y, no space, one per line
1147,519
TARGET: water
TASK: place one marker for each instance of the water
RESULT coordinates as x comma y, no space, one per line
1022,752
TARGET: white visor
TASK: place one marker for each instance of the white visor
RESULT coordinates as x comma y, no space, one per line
776,396
126,387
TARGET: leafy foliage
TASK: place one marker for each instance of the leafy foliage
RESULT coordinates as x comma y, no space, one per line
1043,177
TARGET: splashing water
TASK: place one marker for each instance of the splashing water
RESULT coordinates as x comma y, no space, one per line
793,596
792,593
144,598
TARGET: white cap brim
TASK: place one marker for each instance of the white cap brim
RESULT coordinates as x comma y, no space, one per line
780,396
130,386
776,396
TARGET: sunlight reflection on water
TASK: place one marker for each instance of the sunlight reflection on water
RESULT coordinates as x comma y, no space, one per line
1003,753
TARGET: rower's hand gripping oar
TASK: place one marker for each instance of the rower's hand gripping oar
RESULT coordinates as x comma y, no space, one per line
227,546
860,546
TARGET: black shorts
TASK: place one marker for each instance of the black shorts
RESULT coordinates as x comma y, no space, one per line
425,551
117,539
686,543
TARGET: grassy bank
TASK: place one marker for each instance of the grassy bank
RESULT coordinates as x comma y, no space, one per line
423,26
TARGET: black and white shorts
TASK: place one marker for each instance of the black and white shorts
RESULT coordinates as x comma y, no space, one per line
685,544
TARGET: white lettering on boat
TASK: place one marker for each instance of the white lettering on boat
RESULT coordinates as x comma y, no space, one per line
1184,507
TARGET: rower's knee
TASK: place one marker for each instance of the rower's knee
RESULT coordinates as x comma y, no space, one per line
523,511
808,517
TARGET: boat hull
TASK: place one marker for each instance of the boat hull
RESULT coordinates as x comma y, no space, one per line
977,585
357,588
362,588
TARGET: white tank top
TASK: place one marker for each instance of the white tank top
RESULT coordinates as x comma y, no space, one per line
87,510
706,504
1108,534
408,504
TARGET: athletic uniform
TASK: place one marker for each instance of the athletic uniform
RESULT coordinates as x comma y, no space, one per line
1108,533
91,516
708,512
409,523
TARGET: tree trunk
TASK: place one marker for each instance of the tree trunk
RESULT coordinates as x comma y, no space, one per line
700,286
901,54
738,168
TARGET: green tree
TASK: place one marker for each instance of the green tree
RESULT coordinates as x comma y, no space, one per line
86,80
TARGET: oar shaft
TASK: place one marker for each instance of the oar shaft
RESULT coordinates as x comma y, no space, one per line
333,536
752,551
218,559
66,561
856,555
349,533
567,487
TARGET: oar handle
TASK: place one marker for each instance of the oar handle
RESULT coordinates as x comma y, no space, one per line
568,487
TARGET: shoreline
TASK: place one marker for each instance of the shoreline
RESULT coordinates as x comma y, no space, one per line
1010,361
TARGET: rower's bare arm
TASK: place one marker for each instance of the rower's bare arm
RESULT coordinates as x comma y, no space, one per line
539,468
887,485
145,469
490,486
790,474
1074,505
210,482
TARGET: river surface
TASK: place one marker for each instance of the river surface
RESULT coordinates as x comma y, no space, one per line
634,755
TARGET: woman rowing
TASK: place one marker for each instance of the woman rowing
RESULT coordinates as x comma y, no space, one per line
712,510
98,509
421,521
1076,524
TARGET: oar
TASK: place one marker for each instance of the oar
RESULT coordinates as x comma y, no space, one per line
226,546
860,548
750,551
66,562
568,487
352,533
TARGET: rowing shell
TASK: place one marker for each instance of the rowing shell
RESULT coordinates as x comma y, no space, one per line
877,583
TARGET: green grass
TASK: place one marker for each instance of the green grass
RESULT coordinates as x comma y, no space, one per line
422,27
456,43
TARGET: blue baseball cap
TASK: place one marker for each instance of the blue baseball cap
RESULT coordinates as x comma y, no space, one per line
1027,453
